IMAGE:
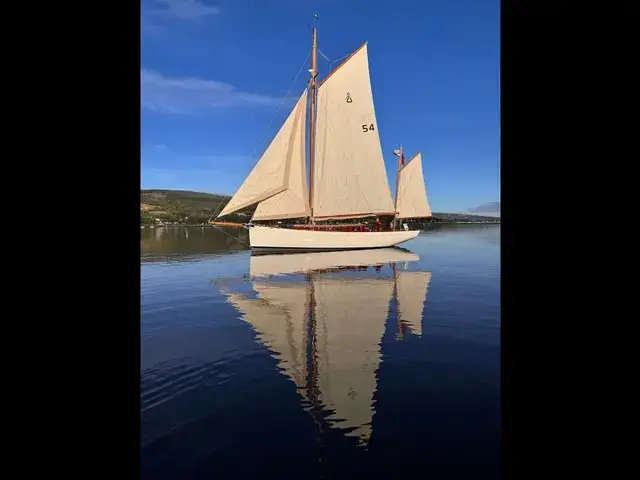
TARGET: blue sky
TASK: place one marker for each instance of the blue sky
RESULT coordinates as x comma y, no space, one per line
214,74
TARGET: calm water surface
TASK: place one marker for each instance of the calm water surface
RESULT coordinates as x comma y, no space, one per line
297,367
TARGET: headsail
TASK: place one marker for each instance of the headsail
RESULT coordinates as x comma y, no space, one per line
412,193
349,173
277,180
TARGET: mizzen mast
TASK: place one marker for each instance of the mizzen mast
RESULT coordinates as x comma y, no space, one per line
400,155
312,117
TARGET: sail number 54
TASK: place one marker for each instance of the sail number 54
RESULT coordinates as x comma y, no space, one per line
370,128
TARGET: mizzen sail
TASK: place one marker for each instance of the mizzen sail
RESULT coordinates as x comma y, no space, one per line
412,193
349,174
277,181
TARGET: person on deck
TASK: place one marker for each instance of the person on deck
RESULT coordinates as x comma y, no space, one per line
378,224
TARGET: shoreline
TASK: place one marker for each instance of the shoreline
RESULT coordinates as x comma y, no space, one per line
433,225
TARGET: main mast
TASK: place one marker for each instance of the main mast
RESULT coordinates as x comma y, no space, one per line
399,334
399,154
312,120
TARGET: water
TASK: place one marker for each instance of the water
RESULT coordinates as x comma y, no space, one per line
250,369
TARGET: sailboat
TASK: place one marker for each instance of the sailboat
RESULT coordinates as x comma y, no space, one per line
347,176
326,333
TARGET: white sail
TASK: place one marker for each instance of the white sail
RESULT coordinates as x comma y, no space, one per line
411,293
294,201
412,193
350,323
279,317
349,177
279,170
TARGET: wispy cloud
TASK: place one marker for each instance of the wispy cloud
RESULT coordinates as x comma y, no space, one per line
149,28
187,95
160,16
191,10
489,209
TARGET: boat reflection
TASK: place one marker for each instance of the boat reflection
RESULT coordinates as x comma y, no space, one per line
272,265
325,329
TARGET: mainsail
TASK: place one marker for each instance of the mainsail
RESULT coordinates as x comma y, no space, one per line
278,179
349,175
412,193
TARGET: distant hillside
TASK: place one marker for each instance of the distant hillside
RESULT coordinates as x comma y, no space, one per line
179,199
176,205
197,207
463,217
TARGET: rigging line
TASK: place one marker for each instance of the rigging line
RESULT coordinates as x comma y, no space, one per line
235,238
285,98
325,57
331,62
337,60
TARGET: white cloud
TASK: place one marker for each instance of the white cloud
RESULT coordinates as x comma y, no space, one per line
186,95
192,10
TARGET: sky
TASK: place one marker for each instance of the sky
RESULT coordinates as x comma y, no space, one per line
217,82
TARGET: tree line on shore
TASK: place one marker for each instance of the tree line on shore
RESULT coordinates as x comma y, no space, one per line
196,208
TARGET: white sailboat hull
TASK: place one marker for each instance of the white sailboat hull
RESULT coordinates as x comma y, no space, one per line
307,240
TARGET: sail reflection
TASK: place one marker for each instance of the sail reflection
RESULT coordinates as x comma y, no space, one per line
326,330
411,295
